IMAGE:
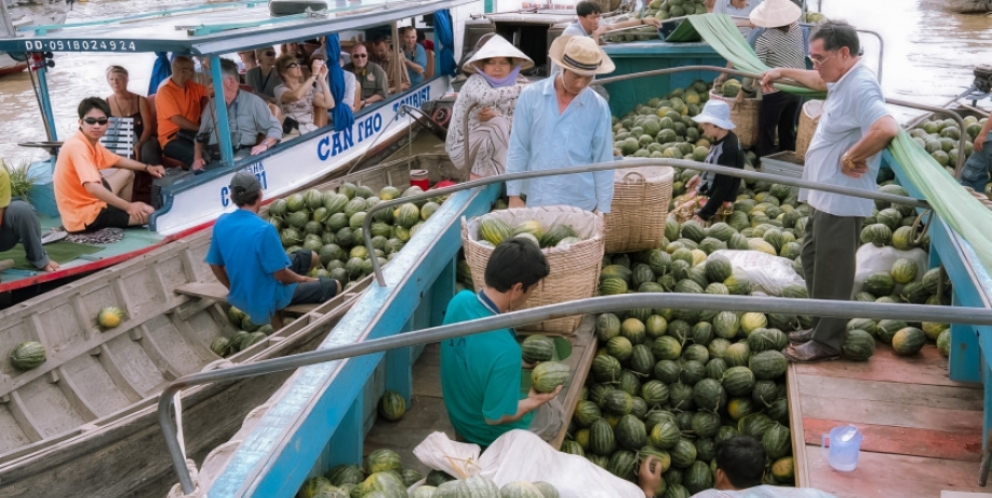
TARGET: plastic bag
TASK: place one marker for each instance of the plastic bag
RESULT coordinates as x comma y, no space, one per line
439,452
767,273
872,259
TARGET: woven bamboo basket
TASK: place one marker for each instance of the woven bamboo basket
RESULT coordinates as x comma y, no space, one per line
574,269
636,220
808,119
744,115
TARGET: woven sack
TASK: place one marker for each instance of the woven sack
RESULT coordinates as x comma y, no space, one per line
808,119
744,115
636,221
574,268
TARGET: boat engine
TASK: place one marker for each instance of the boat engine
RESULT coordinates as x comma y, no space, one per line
983,79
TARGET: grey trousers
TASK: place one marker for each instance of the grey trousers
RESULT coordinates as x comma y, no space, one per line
20,224
829,263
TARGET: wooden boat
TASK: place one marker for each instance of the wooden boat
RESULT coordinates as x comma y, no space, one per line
967,6
190,203
15,15
83,423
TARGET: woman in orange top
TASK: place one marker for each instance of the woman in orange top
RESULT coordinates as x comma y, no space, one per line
86,200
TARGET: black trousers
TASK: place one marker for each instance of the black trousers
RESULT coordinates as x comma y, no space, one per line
180,148
829,262
779,112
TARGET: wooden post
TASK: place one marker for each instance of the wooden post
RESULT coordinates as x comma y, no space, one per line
397,64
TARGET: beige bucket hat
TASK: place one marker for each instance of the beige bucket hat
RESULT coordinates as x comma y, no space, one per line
775,13
580,54
497,46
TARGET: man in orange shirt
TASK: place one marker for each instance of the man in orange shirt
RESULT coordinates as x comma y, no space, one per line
178,104
87,200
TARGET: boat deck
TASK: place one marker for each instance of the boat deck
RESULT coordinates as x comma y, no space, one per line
922,431
427,413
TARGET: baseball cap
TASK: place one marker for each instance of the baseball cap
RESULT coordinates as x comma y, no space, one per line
244,185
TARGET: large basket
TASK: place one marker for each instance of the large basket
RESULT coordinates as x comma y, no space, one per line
574,269
636,220
744,114
808,119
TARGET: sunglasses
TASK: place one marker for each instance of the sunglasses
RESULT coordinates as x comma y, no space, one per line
818,61
270,54
93,121
359,56
291,65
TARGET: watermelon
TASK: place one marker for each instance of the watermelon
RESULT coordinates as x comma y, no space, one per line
692,372
601,438
755,425
709,395
392,406
777,441
902,238
382,460
641,360
944,342
879,284
705,424
903,271
768,365
587,412
521,489
630,433
887,329
698,477
555,234
620,348
28,355
607,326
783,470
345,474
737,354
738,381
752,321
537,348
858,345
622,464
908,341
618,402
612,286
548,375
683,453
491,229
878,234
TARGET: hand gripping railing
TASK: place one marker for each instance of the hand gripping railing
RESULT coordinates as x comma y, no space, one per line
788,306
623,164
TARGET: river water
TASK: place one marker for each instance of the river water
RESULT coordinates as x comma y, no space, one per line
928,57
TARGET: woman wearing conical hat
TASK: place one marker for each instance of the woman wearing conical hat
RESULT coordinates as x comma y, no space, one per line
486,102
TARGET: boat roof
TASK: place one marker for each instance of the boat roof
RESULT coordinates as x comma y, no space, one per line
215,28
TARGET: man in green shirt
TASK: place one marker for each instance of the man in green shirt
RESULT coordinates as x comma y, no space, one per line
480,374
19,223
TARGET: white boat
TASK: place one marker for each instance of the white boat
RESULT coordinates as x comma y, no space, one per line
22,14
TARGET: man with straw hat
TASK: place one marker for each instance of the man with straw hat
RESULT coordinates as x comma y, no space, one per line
561,122
778,42
487,102
854,128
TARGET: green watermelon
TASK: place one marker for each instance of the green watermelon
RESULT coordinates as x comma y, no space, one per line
548,375
858,345
392,406
28,355
537,348
908,341
768,365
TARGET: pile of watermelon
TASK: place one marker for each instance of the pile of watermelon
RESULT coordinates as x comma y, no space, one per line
330,224
663,127
493,230
383,476
940,137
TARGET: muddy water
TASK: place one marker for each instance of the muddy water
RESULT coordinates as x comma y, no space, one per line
928,57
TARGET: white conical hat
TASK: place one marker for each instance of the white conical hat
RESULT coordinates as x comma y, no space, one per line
497,46
775,13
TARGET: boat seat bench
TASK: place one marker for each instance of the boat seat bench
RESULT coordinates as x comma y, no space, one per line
217,292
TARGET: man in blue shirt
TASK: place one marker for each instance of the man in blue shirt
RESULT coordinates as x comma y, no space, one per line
586,23
414,55
854,129
480,373
247,257
561,122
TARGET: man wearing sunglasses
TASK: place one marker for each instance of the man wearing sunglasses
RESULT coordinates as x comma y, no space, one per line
854,128
371,77
87,200
263,79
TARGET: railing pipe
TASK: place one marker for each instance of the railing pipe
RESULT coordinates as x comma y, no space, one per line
942,110
788,306
624,164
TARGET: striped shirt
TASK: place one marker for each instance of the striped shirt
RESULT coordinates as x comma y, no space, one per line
777,48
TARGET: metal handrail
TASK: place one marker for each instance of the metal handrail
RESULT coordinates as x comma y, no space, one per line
788,306
881,50
955,116
624,164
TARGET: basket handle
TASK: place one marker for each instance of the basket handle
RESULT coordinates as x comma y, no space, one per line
640,178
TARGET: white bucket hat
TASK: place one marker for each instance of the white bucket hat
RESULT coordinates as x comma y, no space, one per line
775,13
581,55
497,46
716,112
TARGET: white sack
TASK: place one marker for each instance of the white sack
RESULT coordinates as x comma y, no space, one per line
438,452
872,259
767,273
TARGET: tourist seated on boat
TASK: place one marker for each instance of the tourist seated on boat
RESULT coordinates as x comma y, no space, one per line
487,101
740,466
178,105
248,60
720,191
201,73
588,14
778,43
422,39
414,55
126,104
480,373
300,98
975,173
263,78
371,78
19,223
561,122
739,9
88,200
247,257
253,127
382,54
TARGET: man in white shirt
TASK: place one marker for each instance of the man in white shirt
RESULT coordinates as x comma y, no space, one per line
854,128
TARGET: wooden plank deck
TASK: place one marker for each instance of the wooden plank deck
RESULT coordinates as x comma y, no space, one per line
427,413
922,431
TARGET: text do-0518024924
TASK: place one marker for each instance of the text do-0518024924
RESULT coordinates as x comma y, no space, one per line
79,45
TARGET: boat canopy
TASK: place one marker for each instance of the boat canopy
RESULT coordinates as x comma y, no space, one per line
214,28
